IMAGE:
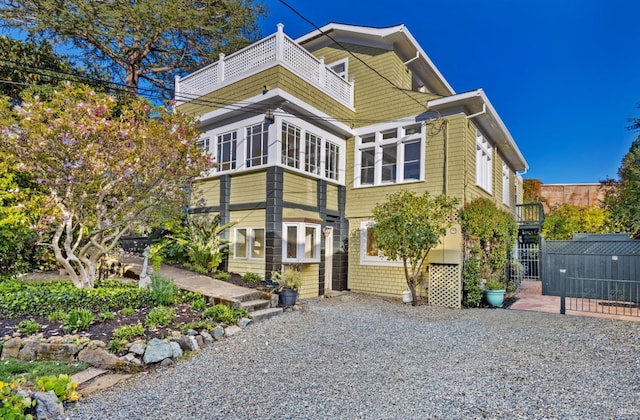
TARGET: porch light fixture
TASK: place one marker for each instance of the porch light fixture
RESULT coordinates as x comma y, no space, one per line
326,231
268,116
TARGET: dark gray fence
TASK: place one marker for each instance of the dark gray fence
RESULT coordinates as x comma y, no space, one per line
607,269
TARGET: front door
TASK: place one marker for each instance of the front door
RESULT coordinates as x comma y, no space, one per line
328,259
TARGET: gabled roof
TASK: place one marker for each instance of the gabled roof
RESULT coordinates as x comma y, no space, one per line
397,38
477,106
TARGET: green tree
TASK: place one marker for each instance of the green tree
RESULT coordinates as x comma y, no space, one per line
489,233
147,40
565,220
622,197
104,167
407,226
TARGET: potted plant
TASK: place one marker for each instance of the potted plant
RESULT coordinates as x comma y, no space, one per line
287,285
494,291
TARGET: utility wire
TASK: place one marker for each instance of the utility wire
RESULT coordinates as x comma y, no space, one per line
352,54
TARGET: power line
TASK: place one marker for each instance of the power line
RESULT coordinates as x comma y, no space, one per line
353,55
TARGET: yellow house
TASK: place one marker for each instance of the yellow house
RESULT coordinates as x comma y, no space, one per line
309,134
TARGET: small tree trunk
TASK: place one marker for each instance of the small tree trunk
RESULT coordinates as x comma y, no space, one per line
412,288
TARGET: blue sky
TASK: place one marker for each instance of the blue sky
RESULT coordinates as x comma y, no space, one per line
564,75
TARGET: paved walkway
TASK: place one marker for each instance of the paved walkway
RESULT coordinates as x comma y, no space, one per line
194,282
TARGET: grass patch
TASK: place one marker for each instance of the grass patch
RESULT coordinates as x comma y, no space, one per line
12,369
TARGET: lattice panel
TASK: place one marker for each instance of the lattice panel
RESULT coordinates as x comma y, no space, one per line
338,88
250,58
301,60
199,83
445,285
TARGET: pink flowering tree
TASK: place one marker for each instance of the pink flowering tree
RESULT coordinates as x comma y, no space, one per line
106,167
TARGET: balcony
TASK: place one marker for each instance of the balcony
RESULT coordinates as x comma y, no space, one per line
277,49
530,216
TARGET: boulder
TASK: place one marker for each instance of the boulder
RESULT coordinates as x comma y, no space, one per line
200,340
137,348
47,405
157,350
29,349
194,343
244,322
99,358
177,350
166,362
65,352
217,333
232,330
208,339
183,341
11,348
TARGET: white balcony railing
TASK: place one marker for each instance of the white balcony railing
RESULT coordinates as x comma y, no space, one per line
268,52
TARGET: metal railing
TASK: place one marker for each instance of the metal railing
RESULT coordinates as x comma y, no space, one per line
268,52
605,296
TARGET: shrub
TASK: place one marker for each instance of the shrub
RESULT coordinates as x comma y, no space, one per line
128,311
222,275
472,288
196,267
61,385
106,316
41,299
128,332
78,320
197,300
29,327
13,405
198,326
160,316
117,346
224,314
58,316
163,291
252,278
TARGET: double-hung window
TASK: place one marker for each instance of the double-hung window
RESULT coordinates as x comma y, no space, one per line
369,252
249,243
227,144
484,162
300,242
506,196
332,162
257,145
390,156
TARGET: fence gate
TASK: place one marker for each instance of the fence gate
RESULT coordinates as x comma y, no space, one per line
524,263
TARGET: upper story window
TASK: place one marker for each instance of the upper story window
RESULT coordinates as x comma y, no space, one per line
253,143
257,146
390,156
506,196
290,145
203,144
341,67
312,153
227,144
484,162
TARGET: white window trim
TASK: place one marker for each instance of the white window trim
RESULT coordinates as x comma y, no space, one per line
400,140
484,163
300,240
365,259
506,178
325,138
344,74
250,238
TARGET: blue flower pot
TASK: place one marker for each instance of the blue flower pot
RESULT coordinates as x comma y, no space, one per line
495,297
287,297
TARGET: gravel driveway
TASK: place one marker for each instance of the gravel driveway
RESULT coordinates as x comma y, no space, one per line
357,356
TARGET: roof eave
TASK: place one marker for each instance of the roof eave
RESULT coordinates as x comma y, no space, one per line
476,105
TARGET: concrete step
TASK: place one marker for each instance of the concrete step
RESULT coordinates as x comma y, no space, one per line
254,305
101,383
263,314
87,375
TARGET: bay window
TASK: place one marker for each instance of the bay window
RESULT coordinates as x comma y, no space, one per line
227,144
257,145
300,242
